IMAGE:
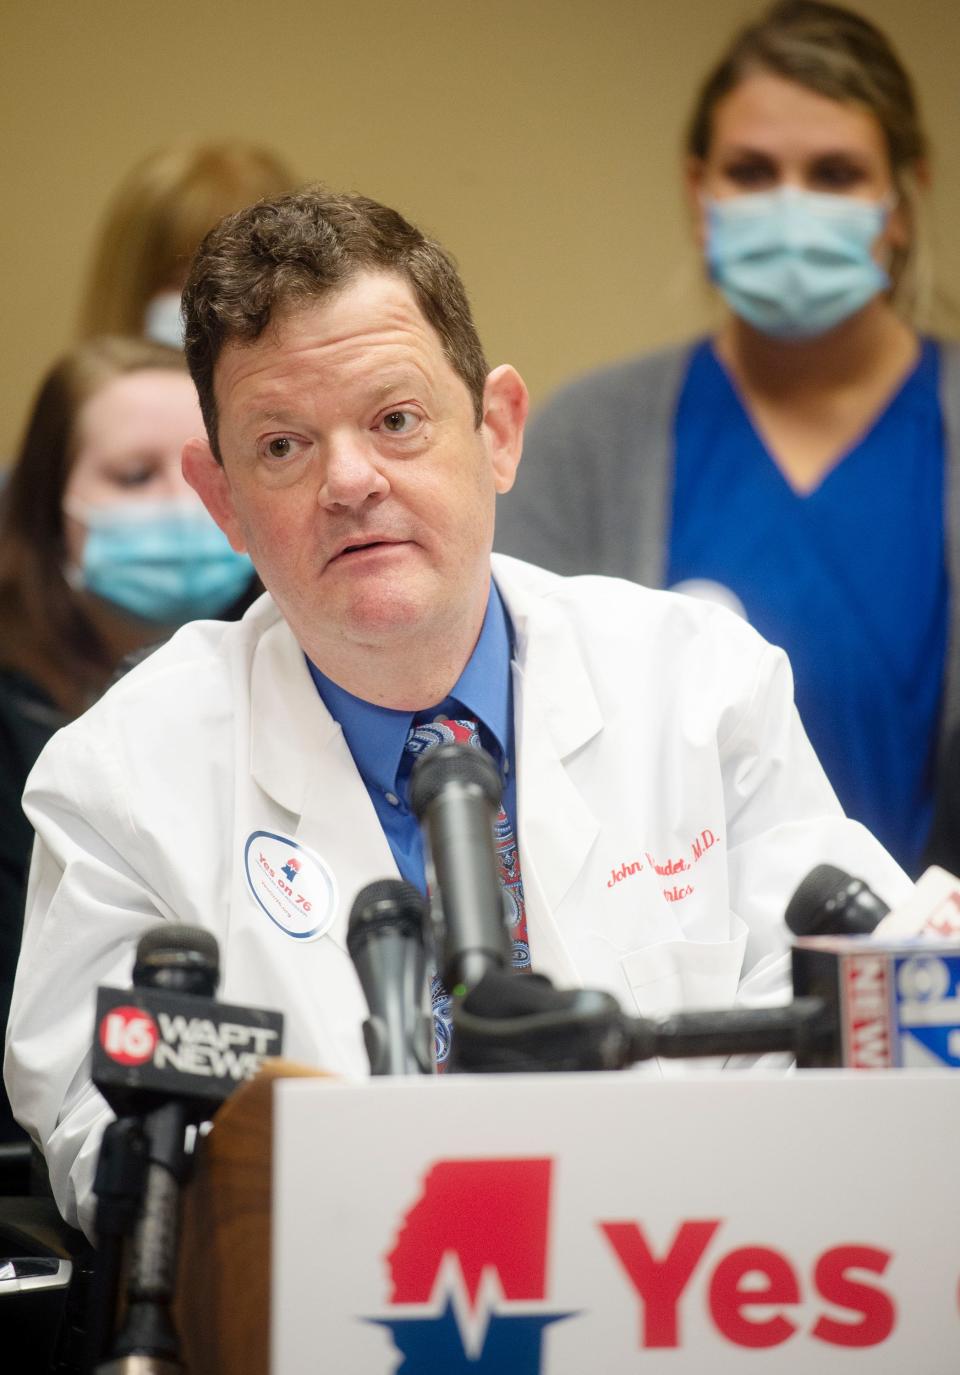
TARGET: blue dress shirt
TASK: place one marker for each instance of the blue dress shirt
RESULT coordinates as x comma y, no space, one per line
376,735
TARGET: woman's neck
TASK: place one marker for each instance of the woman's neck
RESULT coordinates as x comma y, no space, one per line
874,347
811,400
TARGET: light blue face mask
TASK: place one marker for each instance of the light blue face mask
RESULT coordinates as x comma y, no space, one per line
162,320
163,561
795,263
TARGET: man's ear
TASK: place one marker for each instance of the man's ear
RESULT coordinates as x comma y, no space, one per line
207,478
505,406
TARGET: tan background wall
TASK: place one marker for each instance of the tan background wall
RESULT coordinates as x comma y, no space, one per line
538,140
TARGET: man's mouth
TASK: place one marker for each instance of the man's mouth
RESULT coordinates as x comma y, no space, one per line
362,546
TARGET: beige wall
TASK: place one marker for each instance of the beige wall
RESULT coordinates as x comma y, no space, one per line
538,140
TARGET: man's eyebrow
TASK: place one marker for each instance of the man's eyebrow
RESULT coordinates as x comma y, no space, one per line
270,409
400,377
252,414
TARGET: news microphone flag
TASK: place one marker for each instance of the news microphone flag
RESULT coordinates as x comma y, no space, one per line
896,1004
152,1045
932,909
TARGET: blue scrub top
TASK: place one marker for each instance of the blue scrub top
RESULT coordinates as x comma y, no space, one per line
850,579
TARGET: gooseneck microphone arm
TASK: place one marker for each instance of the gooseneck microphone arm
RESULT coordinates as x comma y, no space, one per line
523,1025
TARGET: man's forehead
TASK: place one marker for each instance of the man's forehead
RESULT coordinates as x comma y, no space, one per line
374,311
367,303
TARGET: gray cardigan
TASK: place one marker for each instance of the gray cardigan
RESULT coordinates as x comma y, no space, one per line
569,514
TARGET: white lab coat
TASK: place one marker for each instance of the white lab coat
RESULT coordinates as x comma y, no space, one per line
652,731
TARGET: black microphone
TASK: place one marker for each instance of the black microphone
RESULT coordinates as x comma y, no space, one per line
165,1055
829,912
830,902
889,990
183,959
385,938
168,1037
455,794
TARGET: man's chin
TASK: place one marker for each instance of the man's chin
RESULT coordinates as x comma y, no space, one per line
380,619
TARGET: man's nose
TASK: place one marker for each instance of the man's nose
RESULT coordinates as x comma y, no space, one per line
351,475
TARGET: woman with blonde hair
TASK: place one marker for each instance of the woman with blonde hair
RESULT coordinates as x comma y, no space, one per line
154,224
803,463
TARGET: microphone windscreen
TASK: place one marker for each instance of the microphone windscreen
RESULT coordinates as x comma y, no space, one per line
452,764
387,903
176,956
831,902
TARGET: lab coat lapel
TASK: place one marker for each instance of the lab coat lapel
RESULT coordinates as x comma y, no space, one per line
289,726
556,713
299,757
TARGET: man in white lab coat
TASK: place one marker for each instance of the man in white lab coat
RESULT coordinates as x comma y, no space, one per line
252,777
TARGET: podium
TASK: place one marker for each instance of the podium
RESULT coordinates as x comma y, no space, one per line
557,1224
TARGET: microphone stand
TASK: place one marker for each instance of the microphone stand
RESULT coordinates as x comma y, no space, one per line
520,1023
147,1162
121,1170
142,1167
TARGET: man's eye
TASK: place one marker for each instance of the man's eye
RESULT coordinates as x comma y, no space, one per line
399,422
281,447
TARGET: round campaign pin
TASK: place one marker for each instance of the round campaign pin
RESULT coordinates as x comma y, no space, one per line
292,885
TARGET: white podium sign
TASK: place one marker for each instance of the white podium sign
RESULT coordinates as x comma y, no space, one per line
564,1224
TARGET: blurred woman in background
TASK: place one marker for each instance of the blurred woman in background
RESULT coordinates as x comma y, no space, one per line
104,550
154,224
803,464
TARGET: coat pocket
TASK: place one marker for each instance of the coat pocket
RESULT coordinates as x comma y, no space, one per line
679,975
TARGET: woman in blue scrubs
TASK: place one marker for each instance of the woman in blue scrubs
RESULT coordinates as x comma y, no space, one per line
801,464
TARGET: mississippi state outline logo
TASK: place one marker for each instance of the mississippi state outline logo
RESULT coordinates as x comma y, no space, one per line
468,1271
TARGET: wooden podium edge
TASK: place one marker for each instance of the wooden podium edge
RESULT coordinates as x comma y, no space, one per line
222,1310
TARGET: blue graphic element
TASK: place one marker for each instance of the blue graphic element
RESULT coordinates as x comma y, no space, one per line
290,871
942,1043
927,998
428,1345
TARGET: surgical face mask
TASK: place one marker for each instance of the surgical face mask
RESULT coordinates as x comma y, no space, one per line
162,321
164,561
795,263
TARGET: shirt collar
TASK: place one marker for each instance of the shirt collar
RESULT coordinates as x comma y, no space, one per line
377,735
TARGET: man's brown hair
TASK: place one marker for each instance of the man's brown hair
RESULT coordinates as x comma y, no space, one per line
298,249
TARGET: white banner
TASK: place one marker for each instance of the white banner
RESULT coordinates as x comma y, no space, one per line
571,1224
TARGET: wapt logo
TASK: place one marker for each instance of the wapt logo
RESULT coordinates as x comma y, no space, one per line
468,1270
